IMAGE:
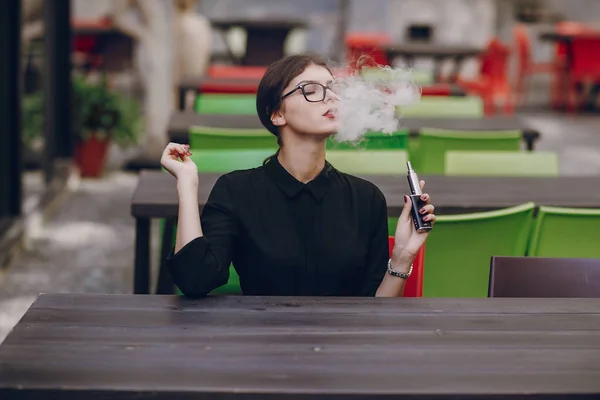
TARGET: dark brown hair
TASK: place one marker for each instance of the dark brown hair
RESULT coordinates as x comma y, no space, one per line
276,78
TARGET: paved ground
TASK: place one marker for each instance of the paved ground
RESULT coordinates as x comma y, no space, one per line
88,244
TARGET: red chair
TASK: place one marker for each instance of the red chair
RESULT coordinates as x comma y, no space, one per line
219,85
493,84
364,49
527,67
236,71
584,68
414,284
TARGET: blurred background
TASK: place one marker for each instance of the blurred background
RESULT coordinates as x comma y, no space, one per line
91,92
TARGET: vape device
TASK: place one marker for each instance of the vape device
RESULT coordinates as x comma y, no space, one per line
417,203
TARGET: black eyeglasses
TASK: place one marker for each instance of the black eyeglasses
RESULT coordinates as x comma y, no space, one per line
313,92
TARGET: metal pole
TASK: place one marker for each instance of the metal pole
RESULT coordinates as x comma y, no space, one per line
10,109
342,26
57,85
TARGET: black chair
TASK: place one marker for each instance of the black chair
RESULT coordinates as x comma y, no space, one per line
544,277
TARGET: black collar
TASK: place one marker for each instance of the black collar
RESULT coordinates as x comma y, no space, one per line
292,186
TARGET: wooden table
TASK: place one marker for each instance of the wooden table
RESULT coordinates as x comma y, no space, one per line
265,38
91,347
156,197
181,122
437,51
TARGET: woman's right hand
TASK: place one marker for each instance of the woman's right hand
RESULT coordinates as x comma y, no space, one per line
176,160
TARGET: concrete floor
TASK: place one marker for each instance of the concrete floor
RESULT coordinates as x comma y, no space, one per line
87,246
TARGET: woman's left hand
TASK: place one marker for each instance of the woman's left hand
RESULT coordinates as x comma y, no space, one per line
408,241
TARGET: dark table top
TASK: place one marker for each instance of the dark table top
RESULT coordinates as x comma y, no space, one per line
181,122
156,195
555,36
430,50
254,23
240,347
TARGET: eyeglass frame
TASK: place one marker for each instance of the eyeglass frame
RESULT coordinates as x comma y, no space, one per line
301,87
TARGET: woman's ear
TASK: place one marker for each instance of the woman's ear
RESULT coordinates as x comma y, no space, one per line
277,118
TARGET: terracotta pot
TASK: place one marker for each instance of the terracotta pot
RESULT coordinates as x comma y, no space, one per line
90,156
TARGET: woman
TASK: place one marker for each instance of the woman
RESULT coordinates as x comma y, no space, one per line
295,225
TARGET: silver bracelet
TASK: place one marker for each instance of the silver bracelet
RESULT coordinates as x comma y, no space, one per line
398,274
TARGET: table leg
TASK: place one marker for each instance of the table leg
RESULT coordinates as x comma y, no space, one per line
456,70
165,284
437,69
141,275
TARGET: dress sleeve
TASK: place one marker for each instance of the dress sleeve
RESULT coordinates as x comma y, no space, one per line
378,253
202,265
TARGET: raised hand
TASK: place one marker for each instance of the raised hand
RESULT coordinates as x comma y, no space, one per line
408,241
176,160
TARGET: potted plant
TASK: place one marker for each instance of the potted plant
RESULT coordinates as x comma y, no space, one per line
100,115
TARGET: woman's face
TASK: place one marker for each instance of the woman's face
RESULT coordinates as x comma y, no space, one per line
302,116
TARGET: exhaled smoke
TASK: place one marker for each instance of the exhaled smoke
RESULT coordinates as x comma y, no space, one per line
368,101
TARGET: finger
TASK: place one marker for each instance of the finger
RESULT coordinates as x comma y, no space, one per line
405,214
427,209
430,218
422,184
425,197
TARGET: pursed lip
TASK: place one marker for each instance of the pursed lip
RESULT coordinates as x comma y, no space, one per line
331,113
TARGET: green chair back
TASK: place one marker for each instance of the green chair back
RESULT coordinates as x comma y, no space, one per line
210,138
418,76
373,141
217,103
444,107
223,161
566,232
501,163
430,153
367,162
460,247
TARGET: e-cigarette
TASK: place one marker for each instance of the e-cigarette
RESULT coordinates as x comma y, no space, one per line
417,203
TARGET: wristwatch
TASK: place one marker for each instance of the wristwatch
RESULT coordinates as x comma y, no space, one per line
398,274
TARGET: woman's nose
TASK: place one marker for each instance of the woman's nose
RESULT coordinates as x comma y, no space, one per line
331,95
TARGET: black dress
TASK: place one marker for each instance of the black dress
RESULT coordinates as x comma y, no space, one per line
324,238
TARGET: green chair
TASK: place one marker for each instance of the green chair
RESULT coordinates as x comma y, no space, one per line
223,161
373,141
566,232
210,138
217,103
459,249
420,77
501,163
367,162
430,154
444,107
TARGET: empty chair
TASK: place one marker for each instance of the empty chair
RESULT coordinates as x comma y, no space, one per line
566,232
434,143
459,249
219,103
223,161
366,162
444,107
206,138
373,141
544,277
501,163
